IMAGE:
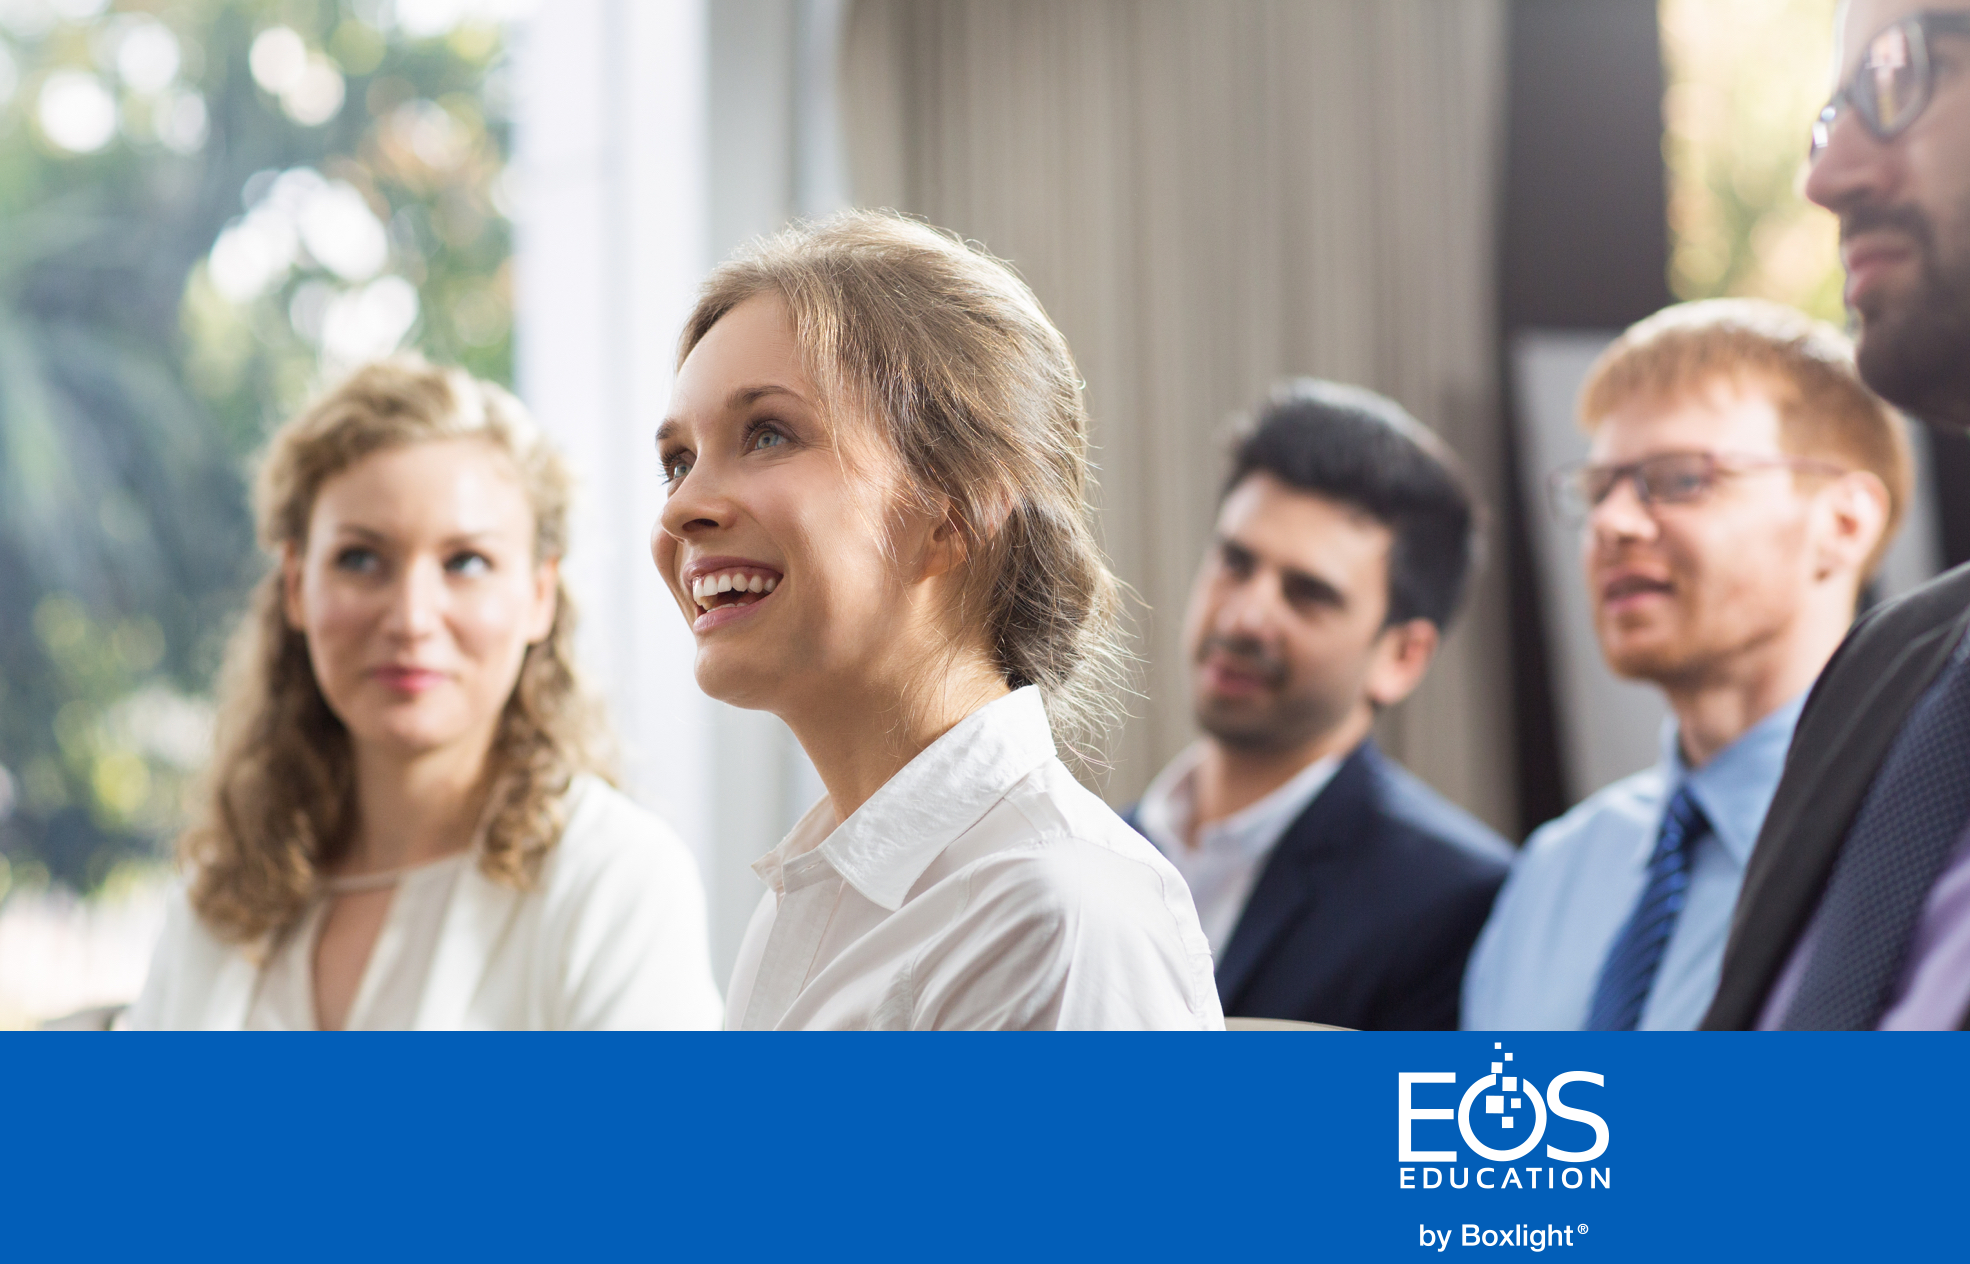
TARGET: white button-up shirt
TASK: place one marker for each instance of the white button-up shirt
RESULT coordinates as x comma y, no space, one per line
1223,866
981,887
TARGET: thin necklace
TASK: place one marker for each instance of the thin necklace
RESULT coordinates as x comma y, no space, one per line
357,883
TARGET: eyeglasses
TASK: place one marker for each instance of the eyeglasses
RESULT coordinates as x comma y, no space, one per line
1667,478
1891,86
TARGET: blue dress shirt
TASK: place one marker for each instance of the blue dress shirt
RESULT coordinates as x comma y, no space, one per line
1575,884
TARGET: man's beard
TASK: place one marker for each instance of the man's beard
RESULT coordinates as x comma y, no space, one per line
1914,352
1288,720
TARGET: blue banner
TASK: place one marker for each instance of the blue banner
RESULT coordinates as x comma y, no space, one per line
1342,1146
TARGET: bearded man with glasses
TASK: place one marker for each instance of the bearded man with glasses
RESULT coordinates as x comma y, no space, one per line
1743,485
1855,912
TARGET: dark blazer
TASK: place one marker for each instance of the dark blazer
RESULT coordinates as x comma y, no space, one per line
1367,907
1851,718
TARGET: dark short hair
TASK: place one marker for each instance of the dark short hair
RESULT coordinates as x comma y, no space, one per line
1362,450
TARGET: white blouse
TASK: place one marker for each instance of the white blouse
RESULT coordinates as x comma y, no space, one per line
981,887
611,936
393,979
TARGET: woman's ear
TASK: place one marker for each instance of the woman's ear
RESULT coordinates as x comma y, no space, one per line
982,519
946,550
290,587
547,600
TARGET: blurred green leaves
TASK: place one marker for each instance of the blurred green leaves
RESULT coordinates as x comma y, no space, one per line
346,167
1735,129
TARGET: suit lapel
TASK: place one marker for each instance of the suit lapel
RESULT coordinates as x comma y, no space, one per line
1311,845
477,916
1834,757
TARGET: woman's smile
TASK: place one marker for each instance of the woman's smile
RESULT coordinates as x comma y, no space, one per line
727,589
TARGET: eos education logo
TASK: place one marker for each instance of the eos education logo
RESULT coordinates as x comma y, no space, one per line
1502,1117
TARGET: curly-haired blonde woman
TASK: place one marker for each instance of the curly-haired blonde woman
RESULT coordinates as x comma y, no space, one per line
405,825
877,527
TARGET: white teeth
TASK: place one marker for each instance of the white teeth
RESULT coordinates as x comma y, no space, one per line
705,587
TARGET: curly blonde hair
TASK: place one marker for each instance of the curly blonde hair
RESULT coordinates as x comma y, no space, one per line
278,804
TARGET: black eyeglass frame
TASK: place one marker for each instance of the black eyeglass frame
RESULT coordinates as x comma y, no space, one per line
1917,29
1570,502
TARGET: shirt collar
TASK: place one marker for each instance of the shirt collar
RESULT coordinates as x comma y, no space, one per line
1163,812
811,830
884,847
1736,786
1165,809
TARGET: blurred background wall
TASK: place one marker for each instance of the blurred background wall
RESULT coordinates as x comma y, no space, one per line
1209,198
209,208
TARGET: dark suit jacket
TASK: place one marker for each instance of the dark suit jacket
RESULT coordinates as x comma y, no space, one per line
1366,908
1851,718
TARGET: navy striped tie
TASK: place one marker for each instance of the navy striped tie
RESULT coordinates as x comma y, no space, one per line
1637,952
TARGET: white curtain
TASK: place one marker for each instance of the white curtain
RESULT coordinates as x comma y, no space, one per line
1209,196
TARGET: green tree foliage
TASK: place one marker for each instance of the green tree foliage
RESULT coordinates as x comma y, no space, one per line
1735,143
207,208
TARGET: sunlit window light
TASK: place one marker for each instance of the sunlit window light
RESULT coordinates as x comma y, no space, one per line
378,229
342,233
27,19
431,133
278,59
298,209
78,10
181,122
147,55
77,112
253,255
1735,130
310,85
428,19
368,322
317,95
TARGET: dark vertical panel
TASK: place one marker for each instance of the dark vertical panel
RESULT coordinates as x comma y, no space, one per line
1949,450
1585,246
1586,225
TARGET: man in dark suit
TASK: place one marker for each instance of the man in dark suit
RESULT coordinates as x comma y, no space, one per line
1856,905
1334,886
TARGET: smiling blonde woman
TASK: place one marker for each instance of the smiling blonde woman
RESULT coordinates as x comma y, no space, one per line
406,823
878,529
